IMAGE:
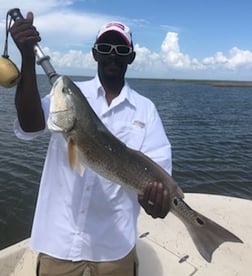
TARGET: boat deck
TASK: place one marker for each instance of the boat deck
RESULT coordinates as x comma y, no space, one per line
165,247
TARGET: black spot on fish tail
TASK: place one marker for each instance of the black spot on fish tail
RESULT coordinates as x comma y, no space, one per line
175,201
200,221
208,235
205,233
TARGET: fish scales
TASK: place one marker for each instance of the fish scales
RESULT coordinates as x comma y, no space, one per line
119,165
113,159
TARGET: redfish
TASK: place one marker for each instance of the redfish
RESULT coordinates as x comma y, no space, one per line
91,144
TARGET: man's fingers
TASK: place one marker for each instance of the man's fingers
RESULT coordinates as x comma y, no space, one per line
156,200
166,204
29,17
152,194
146,196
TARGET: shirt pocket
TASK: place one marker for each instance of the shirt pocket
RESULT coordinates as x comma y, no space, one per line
130,133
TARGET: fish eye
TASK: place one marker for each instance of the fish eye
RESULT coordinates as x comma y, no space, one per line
66,90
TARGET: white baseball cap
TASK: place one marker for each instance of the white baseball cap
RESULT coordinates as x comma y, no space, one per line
118,27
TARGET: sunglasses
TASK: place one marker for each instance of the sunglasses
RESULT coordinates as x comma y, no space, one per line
106,49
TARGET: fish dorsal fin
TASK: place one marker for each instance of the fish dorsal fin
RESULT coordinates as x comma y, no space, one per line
74,157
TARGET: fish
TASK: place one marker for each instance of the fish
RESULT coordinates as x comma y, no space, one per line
91,144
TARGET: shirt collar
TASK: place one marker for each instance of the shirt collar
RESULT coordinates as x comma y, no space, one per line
125,95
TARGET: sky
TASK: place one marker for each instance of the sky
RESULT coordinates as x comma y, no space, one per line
173,39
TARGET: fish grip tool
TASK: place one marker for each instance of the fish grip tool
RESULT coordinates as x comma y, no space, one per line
42,59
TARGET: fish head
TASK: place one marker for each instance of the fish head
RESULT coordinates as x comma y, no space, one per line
62,113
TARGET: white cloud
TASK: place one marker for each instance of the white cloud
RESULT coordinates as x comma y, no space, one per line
218,58
173,56
170,59
240,57
170,43
59,26
37,7
75,31
145,58
235,60
68,35
170,62
75,60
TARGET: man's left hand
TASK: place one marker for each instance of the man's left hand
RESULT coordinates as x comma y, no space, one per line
155,200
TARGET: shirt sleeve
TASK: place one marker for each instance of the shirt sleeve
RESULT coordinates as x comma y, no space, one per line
156,144
32,135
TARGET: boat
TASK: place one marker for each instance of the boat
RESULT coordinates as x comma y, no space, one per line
164,246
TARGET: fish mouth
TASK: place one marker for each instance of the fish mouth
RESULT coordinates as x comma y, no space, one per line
61,120
66,110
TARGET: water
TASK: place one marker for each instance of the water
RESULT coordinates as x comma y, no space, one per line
209,129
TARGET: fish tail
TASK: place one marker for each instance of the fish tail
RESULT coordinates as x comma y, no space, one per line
208,235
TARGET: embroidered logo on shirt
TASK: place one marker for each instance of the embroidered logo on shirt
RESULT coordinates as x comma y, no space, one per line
138,123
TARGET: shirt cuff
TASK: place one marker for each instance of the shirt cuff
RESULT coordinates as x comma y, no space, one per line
26,135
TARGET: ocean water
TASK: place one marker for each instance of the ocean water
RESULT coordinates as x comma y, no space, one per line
209,128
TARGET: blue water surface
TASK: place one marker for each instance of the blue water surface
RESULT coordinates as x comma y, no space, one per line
209,128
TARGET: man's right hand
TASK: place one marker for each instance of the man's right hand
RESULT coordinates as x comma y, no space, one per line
25,35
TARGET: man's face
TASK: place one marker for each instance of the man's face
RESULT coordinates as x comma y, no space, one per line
113,65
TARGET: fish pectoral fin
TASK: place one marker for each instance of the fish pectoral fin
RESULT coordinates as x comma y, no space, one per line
74,157
80,168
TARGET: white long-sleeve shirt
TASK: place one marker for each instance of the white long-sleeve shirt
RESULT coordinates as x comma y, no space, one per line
89,217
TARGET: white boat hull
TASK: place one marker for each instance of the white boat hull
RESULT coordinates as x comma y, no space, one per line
166,247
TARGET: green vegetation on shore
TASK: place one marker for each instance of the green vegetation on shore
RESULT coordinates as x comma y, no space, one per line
217,83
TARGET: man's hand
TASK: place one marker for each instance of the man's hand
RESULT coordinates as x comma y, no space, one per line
25,35
155,200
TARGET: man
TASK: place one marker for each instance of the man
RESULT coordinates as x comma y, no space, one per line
88,223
